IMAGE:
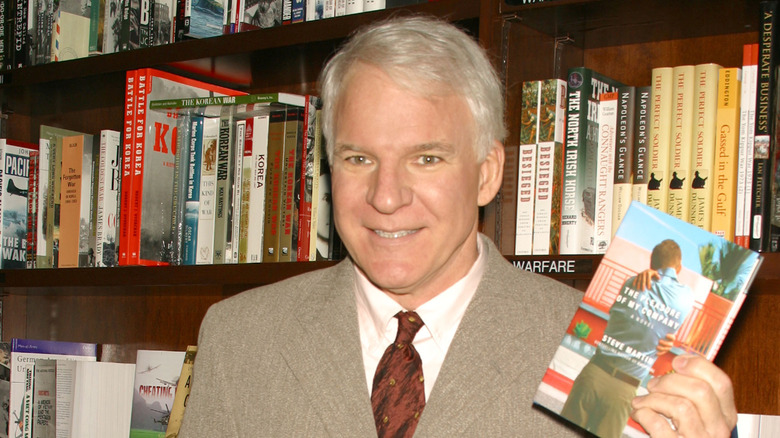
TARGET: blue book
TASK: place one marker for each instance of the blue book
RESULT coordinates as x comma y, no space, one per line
192,202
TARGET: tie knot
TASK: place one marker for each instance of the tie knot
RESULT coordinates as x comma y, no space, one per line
409,323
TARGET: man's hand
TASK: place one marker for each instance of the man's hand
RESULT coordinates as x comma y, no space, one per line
664,345
697,398
644,279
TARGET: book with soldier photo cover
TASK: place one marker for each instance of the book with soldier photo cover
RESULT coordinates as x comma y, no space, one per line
623,333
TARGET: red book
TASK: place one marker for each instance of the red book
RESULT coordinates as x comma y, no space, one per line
307,175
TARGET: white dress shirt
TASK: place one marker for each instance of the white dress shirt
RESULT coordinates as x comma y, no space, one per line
441,315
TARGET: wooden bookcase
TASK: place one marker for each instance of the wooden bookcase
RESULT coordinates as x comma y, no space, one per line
128,308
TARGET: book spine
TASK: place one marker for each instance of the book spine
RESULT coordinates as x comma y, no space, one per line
289,169
321,206
32,210
107,198
749,83
143,86
246,126
641,145
273,194
208,192
224,181
526,167
192,201
126,182
605,169
703,151
15,184
20,33
86,222
759,209
624,153
71,181
725,168
260,168
307,177
298,11
660,136
45,177
354,6
680,142
236,193
549,156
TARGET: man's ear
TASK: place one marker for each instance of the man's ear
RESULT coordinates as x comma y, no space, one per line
491,173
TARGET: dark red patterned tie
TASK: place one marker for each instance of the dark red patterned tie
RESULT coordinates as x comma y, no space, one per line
398,394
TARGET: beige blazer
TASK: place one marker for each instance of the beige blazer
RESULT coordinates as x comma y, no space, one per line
284,360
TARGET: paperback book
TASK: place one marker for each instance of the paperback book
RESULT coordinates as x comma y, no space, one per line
621,336
14,180
156,378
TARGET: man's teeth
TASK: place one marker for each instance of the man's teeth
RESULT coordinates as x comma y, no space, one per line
394,234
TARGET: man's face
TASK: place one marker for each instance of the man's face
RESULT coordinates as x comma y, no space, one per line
407,186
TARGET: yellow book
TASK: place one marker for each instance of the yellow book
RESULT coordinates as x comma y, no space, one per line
703,151
681,142
70,201
182,393
725,168
660,134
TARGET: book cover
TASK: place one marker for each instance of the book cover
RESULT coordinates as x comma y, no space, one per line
15,180
549,167
273,188
641,146
44,408
204,253
205,19
70,32
605,170
293,143
107,198
724,184
322,204
747,131
660,134
579,181
526,167
192,201
681,141
24,352
182,393
760,199
702,282
112,26
154,149
233,237
156,378
624,155
703,152
76,196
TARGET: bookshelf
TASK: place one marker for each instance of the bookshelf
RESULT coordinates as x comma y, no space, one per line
140,307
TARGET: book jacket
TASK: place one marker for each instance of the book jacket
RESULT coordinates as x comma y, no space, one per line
156,377
613,347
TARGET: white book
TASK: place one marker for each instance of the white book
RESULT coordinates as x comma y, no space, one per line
526,186
605,168
43,191
341,8
208,192
328,8
107,198
102,399
234,216
745,158
258,165
373,5
354,6
314,9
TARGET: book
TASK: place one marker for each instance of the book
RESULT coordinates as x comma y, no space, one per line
291,171
32,210
641,146
681,141
24,352
549,167
760,199
605,171
153,155
204,253
112,26
192,199
526,167
233,237
42,210
205,19
622,182
579,180
307,178
724,184
107,198
154,389
703,152
273,188
747,131
76,196
182,393
322,204
71,29
44,398
14,182
126,178
702,283
102,399
224,181
661,99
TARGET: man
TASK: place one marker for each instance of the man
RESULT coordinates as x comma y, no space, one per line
413,119
641,321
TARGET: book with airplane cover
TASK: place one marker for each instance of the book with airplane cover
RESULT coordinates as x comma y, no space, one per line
154,390
14,179
623,335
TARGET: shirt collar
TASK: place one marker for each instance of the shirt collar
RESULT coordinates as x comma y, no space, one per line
441,314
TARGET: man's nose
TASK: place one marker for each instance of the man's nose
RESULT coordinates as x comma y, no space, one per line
390,188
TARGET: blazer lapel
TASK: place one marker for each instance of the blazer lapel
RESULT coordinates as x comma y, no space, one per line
322,333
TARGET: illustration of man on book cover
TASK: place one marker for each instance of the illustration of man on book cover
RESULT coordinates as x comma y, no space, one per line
664,288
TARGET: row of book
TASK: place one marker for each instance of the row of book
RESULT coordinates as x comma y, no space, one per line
695,143
55,388
36,32
200,174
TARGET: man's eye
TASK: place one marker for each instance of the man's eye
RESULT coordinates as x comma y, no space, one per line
357,159
429,159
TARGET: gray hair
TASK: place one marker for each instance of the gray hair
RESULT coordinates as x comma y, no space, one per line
427,56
